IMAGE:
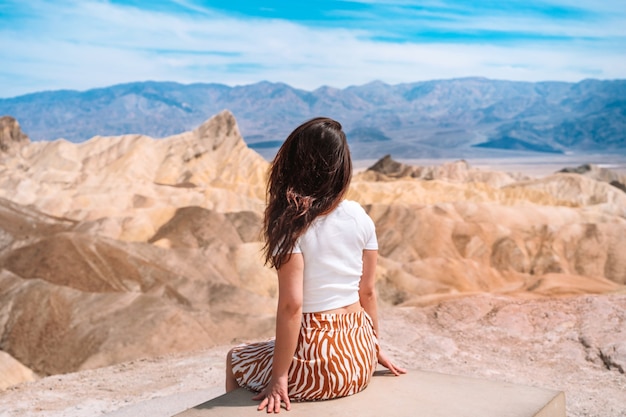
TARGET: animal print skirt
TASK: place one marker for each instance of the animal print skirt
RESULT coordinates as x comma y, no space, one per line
336,356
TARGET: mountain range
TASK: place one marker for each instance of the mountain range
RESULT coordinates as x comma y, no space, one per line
440,118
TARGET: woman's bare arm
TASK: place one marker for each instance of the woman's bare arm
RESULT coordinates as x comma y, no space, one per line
367,286
367,297
288,321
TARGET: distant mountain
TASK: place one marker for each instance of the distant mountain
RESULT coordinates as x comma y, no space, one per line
457,117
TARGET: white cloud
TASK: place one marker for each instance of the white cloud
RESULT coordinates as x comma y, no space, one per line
86,44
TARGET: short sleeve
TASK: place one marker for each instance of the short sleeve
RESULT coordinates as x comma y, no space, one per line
371,242
296,247
365,225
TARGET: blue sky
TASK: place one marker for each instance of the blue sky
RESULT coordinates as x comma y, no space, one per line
83,44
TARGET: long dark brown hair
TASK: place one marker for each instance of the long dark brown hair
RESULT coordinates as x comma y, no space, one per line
308,178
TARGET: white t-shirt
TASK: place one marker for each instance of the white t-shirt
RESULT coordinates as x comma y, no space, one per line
332,248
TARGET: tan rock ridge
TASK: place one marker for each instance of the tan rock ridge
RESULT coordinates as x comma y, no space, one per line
11,136
129,185
92,272
600,174
457,180
456,248
126,247
458,171
72,300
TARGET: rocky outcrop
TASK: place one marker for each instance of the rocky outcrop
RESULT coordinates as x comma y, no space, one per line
107,246
13,372
552,328
71,300
599,174
458,171
12,139
210,167
458,248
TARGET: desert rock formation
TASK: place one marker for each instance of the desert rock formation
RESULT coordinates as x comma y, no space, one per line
601,174
107,246
12,139
126,247
460,171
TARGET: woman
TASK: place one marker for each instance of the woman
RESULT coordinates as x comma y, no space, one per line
324,249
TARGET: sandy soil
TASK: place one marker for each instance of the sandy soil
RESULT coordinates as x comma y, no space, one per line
530,342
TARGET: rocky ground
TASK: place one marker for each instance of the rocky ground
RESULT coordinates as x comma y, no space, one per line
574,344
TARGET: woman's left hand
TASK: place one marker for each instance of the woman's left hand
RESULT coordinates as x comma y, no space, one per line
386,362
272,396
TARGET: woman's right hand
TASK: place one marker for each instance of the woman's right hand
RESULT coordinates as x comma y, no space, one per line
272,396
386,362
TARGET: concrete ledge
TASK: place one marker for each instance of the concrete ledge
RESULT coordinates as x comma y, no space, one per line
416,393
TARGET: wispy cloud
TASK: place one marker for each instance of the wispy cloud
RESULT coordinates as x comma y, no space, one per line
91,43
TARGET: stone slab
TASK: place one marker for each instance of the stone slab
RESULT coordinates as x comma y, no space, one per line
417,393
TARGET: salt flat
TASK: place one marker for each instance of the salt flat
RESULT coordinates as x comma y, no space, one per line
535,165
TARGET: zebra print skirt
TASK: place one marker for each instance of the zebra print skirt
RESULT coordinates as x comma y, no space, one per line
335,357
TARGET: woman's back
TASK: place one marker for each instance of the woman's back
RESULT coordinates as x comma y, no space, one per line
332,248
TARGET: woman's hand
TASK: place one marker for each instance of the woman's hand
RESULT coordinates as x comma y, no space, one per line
272,396
386,362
